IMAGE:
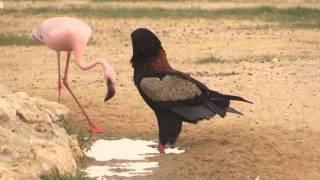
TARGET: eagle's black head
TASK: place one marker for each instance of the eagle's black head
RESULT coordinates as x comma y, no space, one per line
146,47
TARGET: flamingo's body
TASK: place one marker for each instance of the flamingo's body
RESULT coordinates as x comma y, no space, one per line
62,33
70,34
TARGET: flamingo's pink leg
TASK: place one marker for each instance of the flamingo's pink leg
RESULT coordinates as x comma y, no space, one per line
59,77
93,128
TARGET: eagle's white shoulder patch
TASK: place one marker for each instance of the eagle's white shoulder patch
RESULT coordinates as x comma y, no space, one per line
170,88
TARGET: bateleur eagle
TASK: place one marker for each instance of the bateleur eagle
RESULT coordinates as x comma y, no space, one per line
174,96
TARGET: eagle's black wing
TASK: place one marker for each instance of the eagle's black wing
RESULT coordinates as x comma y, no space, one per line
185,96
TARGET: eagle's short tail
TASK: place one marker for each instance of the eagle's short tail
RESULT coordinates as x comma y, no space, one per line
220,103
232,110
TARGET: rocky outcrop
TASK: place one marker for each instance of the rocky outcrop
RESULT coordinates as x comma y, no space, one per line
32,143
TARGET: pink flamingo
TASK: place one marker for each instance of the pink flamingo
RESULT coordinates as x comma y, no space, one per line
70,34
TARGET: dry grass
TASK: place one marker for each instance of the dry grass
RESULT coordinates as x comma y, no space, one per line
209,60
10,39
297,17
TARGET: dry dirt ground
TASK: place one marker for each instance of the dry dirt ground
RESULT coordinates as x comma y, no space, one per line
277,68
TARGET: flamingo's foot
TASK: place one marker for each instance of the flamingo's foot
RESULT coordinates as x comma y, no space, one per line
94,129
161,149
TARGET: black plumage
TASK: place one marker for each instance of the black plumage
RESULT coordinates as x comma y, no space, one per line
173,95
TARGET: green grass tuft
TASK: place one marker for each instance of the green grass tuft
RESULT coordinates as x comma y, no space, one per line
69,127
56,175
264,58
84,139
83,136
10,39
209,60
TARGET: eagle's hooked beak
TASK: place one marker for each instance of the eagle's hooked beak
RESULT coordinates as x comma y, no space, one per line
111,90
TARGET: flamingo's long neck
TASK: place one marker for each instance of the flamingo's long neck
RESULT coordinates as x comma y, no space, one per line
107,69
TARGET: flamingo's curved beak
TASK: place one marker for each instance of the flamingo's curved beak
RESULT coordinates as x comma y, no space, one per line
111,90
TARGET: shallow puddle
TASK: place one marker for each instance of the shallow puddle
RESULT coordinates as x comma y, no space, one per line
123,157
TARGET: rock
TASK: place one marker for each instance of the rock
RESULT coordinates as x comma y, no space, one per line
32,143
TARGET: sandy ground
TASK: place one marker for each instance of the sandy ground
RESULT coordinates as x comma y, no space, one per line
276,68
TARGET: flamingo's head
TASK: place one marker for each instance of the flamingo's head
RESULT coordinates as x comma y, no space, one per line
110,89
111,79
